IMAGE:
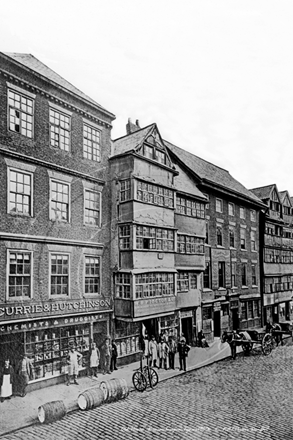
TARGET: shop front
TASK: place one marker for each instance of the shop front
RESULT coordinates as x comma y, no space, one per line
47,340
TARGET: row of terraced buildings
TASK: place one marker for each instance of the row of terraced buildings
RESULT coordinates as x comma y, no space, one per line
119,238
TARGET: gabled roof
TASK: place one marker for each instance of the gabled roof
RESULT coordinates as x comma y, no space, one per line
132,141
265,192
37,66
283,196
211,174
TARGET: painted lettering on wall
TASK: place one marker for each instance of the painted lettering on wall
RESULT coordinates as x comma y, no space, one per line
50,308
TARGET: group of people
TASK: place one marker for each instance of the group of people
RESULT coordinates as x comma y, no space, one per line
105,359
13,381
160,352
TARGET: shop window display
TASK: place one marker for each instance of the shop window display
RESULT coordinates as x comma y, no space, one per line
49,348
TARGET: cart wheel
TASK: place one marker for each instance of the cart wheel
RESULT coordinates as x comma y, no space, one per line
152,378
267,344
139,381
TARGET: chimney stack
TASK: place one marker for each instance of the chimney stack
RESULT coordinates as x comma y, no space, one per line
130,127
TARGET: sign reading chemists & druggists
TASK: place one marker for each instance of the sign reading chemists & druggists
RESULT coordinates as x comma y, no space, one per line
52,308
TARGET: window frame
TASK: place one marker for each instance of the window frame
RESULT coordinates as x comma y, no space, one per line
63,182
57,253
219,204
207,278
221,274
253,215
242,212
219,235
91,127
231,212
90,294
31,204
99,193
244,274
22,94
8,275
253,274
231,237
124,286
61,112
243,239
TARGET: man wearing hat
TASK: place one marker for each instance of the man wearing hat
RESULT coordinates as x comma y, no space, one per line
183,350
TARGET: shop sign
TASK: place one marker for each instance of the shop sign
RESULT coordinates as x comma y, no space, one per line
48,308
48,323
217,306
151,306
186,314
268,299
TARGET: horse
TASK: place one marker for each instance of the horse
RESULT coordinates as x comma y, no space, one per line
240,339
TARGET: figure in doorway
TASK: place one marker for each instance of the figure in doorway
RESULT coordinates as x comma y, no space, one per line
6,380
183,350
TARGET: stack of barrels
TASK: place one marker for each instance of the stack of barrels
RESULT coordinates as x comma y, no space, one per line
108,391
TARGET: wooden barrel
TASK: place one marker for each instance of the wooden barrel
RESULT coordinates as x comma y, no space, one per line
105,387
125,389
91,398
51,411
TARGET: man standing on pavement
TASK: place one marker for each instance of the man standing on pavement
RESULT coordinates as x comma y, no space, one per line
73,359
172,351
106,356
25,373
114,355
183,350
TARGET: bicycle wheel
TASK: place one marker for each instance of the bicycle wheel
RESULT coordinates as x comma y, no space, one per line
153,377
139,381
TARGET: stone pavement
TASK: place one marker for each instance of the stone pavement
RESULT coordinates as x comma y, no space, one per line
20,412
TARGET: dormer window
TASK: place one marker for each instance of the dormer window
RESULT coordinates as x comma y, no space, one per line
161,157
148,152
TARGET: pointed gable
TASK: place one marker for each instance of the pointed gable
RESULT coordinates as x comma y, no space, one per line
146,142
285,198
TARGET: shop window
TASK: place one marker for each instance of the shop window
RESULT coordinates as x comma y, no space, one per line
20,192
244,274
231,209
249,309
59,275
243,238
207,276
256,309
59,130
206,313
91,143
219,205
123,285
92,208
221,273
219,236
154,238
124,237
19,276
243,310
232,237
20,113
92,276
154,284
59,203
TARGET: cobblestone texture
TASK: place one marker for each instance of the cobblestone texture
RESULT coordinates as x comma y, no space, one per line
249,398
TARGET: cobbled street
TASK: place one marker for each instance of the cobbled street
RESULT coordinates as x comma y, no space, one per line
249,398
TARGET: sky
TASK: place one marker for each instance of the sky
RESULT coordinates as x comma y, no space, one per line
216,76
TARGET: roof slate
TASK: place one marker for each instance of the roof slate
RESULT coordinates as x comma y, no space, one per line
131,141
211,173
37,66
263,192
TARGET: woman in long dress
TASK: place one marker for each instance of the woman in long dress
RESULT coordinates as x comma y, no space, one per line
6,381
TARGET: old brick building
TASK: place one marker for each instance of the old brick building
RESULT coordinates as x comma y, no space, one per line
158,231
231,296
277,254
55,284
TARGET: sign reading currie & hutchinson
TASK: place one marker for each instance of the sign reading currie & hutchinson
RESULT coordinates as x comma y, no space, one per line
51,308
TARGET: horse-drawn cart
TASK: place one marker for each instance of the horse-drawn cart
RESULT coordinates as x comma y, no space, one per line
250,340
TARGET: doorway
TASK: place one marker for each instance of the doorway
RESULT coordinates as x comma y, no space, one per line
186,329
235,319
217,323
